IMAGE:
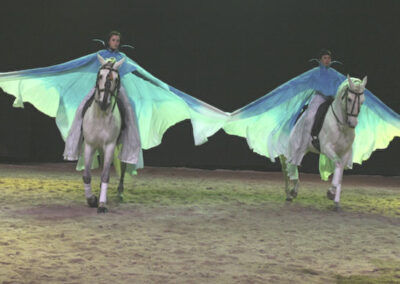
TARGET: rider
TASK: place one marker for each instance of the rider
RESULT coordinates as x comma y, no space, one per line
129,132
113,41
307,128
325,59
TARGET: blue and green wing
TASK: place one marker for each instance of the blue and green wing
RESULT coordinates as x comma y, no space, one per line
56,90
159,106
266,123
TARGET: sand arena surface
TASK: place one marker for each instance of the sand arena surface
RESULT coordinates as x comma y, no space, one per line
196,226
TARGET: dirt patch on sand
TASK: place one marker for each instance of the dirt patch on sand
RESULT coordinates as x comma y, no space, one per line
56,212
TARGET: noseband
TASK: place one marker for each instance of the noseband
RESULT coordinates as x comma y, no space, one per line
355,106
114,93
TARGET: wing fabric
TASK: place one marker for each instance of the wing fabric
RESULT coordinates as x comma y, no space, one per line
159,106
58,90
266,123
377,126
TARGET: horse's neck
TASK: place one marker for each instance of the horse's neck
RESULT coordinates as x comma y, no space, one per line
339,112
338,118
96,110
98,113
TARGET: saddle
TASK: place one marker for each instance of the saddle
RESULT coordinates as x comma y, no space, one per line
318,122
119,105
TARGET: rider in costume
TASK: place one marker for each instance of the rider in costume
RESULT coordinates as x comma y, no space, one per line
303,131
267,122
60,90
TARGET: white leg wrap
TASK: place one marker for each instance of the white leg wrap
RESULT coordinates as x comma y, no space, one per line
337,196
88,190
103,192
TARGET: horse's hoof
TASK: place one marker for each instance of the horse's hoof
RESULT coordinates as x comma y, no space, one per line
92,201
293,193
289,199
102,209
330,195
337,207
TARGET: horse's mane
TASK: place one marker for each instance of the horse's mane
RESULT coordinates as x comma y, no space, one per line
109,62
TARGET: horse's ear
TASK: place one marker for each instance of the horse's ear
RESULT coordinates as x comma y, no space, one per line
119,63
351,84
364,81
101,59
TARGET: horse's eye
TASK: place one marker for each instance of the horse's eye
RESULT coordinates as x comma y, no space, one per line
101,76
349,100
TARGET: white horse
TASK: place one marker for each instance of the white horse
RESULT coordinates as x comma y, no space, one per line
101,128
336,137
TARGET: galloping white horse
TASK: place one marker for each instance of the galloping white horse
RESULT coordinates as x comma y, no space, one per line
101,128
336,137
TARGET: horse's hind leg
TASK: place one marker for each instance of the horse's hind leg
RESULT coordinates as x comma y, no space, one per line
90,197
293,175
121,181
282,159
105,177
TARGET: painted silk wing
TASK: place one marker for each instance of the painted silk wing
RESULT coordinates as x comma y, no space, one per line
378,125
267,122
45,87
58,90
159,106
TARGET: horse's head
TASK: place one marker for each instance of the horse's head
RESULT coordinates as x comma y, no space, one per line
351,98
108,81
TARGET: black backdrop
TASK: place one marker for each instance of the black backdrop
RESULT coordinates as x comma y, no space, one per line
227,53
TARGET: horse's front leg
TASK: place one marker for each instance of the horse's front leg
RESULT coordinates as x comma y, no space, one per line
87,178
105,176
336,187
291,176
337,176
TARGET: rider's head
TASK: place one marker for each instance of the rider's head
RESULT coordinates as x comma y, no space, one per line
325,57
113,40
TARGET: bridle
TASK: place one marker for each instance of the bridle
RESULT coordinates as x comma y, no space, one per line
114,93
355,106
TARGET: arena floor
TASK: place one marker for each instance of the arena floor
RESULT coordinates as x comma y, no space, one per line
180,225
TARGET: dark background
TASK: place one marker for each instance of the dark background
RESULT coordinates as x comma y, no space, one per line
227,53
